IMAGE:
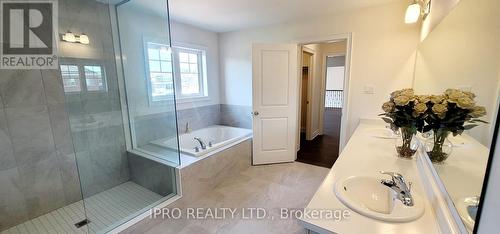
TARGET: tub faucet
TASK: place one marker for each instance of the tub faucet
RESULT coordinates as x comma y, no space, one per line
398,184
202,144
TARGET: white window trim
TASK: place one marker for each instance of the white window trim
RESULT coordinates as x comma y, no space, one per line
176,75
147,73
203,72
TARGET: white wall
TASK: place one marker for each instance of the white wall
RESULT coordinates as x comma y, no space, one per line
182,34
463,52
439,10
383,54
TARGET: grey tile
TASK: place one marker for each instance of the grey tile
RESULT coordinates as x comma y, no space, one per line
69,177
7,159
236,116
59,121
42,186
20,88
31,134
198,117
149,174
12,206
52,83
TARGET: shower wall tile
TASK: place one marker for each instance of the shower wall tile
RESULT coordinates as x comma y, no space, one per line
69,177
20,88
152,175
7,159
53,87
12,204
109,168
198,117
31,134
42,186
59,121
236,116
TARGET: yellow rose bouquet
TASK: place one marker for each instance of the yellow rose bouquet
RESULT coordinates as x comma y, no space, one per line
452,112
405,113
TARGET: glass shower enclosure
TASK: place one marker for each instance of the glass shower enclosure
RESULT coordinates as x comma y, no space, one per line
78,144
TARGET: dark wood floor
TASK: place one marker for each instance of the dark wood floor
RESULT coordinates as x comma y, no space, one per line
323,150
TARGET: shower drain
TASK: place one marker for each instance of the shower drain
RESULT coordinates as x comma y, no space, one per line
82,223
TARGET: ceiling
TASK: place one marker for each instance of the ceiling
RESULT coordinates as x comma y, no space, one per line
231,15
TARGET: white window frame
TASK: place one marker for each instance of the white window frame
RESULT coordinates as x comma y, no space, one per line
202,69
167,98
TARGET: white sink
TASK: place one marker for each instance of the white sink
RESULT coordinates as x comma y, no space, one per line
467,209
367,196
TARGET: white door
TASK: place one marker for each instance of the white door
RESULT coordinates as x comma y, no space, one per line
275,102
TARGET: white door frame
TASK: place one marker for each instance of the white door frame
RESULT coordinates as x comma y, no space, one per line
347,77
323,88
310,79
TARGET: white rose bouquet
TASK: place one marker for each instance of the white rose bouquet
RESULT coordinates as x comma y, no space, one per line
452,112
405,112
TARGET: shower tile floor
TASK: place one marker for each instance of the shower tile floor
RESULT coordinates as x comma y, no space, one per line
104,209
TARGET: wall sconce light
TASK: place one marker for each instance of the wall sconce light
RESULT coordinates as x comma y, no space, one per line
416,9
70,37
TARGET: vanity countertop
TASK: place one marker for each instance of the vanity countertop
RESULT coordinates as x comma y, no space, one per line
367,155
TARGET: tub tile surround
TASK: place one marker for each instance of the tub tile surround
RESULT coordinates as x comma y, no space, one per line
206,174
236,116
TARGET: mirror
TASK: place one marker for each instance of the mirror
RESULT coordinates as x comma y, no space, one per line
463,52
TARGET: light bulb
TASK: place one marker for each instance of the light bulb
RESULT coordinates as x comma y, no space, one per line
412,13
69,37
84,39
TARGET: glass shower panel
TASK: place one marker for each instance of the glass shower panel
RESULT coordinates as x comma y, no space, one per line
117,184
148,74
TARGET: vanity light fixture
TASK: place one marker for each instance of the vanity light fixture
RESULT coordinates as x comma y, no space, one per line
70,37
416,9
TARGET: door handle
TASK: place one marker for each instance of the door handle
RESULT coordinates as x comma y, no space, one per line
255,113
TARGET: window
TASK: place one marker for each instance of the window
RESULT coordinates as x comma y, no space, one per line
94,78
190,72
73,74
160,72
71,78
186,65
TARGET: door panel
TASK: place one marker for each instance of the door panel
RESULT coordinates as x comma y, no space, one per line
275,102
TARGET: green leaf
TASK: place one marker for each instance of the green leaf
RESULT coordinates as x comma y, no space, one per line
470,126
387,120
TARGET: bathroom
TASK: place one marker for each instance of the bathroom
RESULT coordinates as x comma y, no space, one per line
157,104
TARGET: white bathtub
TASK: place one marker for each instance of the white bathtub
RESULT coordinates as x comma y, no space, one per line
220,136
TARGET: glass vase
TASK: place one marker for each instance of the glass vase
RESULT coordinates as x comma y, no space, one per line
439,148
406,144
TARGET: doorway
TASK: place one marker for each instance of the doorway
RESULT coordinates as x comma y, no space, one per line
322,102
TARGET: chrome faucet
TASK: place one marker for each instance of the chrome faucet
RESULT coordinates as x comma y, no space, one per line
202,144
398,184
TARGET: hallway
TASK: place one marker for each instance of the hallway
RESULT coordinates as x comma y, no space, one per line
323,150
